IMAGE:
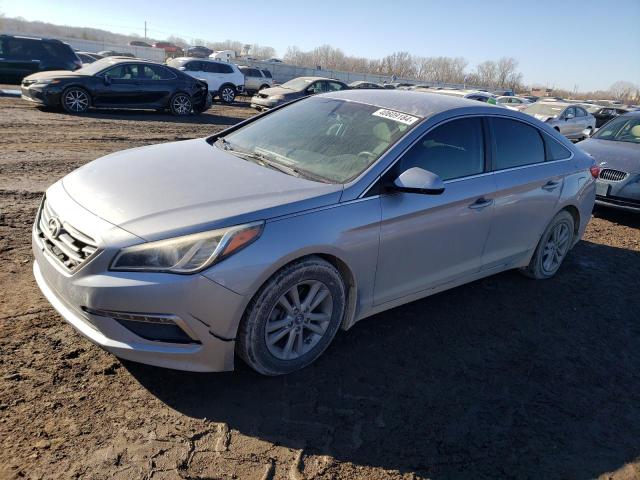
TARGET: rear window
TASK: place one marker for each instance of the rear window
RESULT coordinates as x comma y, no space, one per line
215,67
58,50
516,144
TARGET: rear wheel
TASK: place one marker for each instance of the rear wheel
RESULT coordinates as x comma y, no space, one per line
181,104
227,94
75,100
293,318
553,247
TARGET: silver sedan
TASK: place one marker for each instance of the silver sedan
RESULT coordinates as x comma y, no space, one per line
572,121
266,239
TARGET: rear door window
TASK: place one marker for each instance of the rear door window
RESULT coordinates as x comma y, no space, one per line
554,150
267,73
515,144
156,72
453,150
194,67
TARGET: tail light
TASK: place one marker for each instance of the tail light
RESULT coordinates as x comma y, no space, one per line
595,171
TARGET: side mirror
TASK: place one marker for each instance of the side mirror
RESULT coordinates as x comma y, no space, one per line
418,180
182,68
107,80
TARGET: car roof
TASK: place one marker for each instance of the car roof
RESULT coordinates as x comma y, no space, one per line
199,59
422,104
43,39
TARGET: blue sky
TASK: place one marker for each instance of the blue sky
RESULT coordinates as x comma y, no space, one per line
563,43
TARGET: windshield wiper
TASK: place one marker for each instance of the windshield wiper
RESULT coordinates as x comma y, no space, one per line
263,160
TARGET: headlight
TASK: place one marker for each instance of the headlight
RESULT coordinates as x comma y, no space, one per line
47,81
277,98
187,254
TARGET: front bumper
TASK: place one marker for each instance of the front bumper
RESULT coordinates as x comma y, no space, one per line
263,104
623,195
35,95
209,311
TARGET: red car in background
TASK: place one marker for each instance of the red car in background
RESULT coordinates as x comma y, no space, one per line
171,49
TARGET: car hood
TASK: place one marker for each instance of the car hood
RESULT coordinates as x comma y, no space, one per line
178,188
53,74
624,156
286,92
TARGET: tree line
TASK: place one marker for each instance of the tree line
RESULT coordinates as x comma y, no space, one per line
498,74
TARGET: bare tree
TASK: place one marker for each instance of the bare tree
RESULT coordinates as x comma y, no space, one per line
622,90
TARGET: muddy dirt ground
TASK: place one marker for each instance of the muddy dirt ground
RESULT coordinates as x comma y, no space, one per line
503,378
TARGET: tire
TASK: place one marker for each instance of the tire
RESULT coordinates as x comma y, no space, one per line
275,339
181,104
75,100
227,94
556,240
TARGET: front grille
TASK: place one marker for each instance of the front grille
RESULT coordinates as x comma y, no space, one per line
70,247
612,175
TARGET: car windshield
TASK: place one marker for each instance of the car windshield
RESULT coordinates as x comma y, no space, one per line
591,108
621,129
544,109
321,139
297,84
95,67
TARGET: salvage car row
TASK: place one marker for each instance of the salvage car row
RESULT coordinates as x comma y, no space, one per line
187,85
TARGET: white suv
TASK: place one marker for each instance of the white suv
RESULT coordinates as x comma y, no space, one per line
224,79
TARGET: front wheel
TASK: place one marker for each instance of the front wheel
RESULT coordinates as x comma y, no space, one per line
75,100
227,94
293,318
553,247
181,104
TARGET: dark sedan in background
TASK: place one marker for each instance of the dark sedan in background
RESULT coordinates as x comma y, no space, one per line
364,84
604,114
294,89
616,149
118,83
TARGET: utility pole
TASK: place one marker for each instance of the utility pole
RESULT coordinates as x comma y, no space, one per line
145,29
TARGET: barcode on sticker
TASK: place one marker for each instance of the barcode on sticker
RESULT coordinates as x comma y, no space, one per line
396,116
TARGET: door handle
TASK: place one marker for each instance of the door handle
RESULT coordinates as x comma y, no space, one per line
481,203
550,186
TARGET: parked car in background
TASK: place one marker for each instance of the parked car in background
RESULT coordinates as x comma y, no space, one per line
512,102
113,53
274,60
616,149
225,80
86,57
294,89
22,56
503,93
531,98
477,95
572,121
364,84
118,83
255,79
170,49
604,114
139,43
266,239
199,51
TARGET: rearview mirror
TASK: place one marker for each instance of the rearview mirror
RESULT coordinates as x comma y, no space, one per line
418,180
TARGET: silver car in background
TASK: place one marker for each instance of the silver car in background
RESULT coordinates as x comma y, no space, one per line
572,121
265,239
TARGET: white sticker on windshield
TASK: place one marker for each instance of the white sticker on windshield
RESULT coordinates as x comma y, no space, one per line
396,116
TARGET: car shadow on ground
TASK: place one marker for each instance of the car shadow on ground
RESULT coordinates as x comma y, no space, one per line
208,117
504,377
621,217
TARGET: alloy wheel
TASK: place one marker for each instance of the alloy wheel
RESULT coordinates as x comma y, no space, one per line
299,320
76,100
182,105
556,248
227,94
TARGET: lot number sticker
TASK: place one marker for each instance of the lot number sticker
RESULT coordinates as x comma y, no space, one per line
396,116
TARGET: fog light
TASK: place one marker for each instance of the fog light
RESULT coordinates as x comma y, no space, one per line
156,327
